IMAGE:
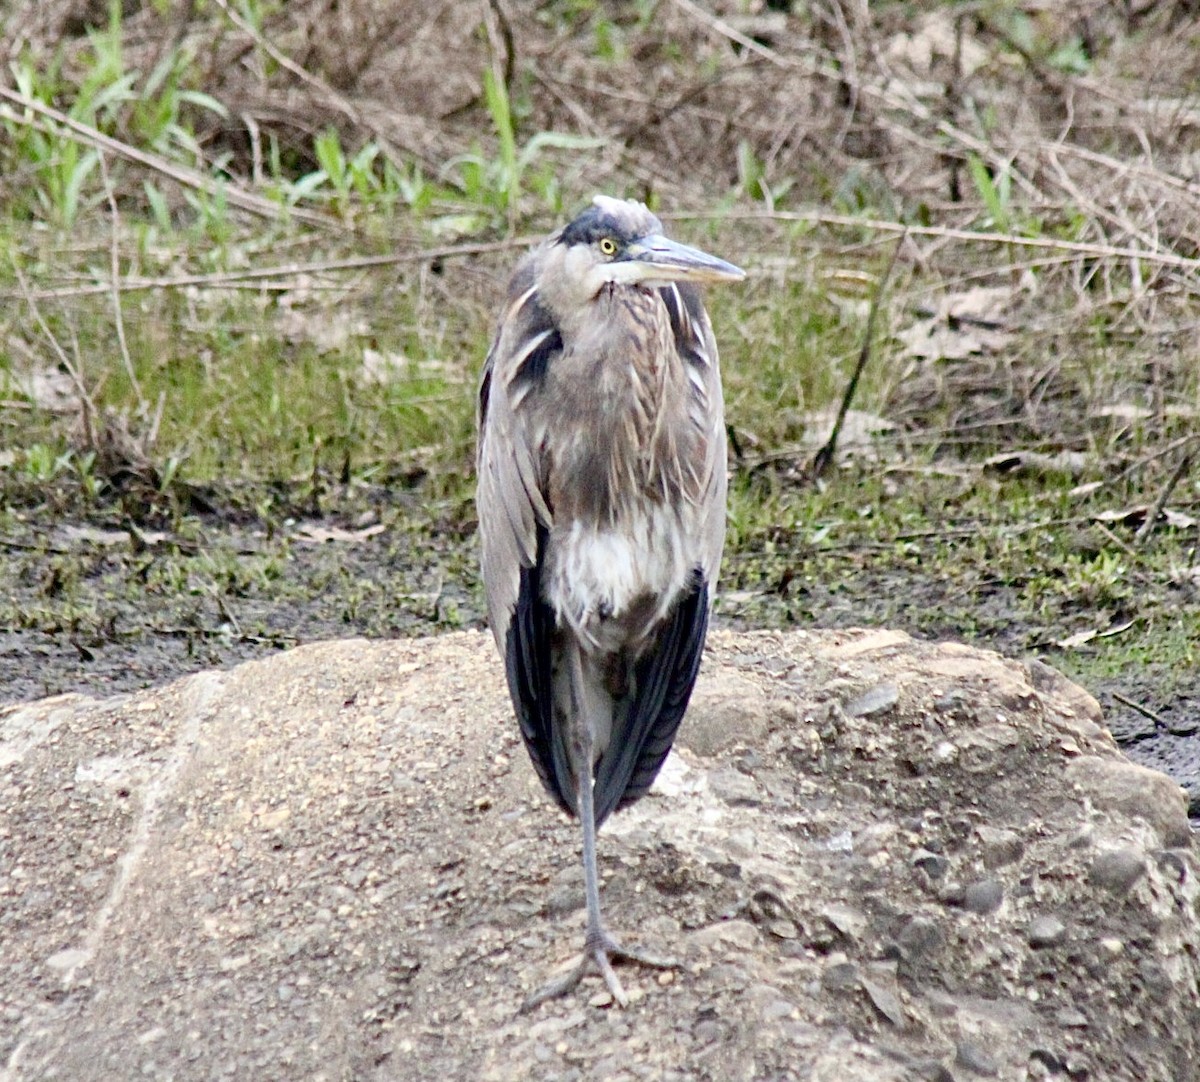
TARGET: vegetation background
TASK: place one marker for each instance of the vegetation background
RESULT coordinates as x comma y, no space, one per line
250,255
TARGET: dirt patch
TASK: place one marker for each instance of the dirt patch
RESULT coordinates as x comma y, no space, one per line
891,861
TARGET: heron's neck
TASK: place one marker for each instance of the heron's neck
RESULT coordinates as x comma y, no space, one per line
616,405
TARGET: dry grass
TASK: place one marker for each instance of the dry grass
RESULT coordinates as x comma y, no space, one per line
1040,152
1019,465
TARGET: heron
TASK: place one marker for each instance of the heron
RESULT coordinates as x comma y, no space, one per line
601,500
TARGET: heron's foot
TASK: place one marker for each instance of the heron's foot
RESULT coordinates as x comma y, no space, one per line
599,954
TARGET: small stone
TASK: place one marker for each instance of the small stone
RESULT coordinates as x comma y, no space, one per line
1118,869
953,702
1173,864
1071,1018
601,999
1000,846
777,1009
847,922
885,1002
874,839
667,976
1154,977
69,958
920,937
735,788
983,897
951,893
839,976
878,699
1045,932
1048,1059
1112,947
932,864
970,1057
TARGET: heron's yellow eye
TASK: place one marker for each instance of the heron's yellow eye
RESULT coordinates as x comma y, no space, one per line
608,246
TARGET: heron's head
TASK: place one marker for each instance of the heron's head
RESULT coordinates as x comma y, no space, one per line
619,241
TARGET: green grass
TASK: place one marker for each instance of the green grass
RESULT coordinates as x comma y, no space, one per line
221,385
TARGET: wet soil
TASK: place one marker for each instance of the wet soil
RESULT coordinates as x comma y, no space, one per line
126,594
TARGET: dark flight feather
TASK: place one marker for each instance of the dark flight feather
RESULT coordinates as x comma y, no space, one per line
644,726
530,677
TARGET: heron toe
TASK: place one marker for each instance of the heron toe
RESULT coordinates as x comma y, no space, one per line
600,952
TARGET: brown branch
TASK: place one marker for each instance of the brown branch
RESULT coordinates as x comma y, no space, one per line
1147,527
223,279
824,457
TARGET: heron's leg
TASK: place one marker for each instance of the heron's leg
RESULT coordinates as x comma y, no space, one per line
600,948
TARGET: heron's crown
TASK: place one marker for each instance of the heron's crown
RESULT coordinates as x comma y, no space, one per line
624,220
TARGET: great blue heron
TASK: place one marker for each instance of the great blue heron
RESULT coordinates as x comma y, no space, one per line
602,513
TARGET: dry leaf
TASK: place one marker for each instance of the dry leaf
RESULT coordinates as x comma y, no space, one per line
1081,637
1127,516
312,533
51,389
1177,519
963,324
1071,463
382,368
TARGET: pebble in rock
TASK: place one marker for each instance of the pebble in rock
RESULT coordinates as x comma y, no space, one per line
933,865
971,1057
876,701
1046,932
921,936
983,897
839,976
1118,869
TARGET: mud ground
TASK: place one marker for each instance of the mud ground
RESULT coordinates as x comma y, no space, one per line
109,599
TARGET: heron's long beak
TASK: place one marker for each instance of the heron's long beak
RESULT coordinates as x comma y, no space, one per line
657,259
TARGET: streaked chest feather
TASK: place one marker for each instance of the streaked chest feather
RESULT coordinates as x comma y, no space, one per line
621,426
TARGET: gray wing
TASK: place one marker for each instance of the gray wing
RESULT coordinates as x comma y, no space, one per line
509,498
514,517
694,339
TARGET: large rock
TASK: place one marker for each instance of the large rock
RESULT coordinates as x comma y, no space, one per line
875,859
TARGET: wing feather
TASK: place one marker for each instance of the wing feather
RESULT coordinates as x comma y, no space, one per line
696,344
515,518
645,723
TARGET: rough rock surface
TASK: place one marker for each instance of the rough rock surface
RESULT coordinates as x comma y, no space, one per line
875,859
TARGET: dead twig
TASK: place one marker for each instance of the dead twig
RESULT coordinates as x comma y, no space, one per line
1153,456
114,278
824,457
224,279
1147,527
1145,711
87,407
970,236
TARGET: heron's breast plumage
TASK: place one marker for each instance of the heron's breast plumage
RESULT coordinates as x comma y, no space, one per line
625,483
